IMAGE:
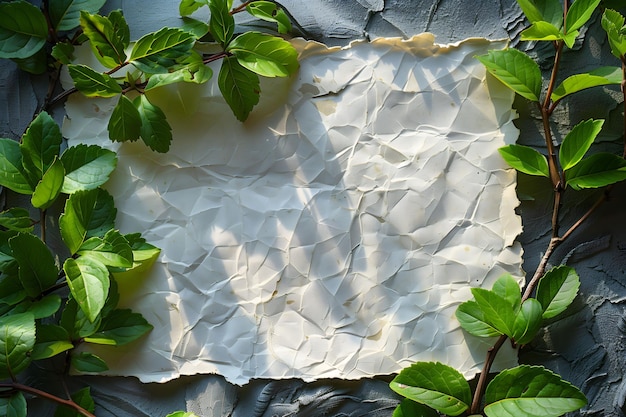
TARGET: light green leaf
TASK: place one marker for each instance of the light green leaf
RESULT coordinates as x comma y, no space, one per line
266,55
579,13
472,319
435,385
182,414
37,268
88,363
597,171
125,122
81,397
88,280
51,340
112,250
578,82
92,83
507,288
570,38
578,141
409,408
13,406
191,70
45,307
541,31
16,219
525,159
76,323
516,70
65,14
49,188
40,146
187,7
144,255
557,289
87,167
270,12
23,29
158,51
155,130
527,321
239,86
194,26
613,24
120,327
548,10
497,311
222,23
12,174
17,338
106,43
531,391
63,52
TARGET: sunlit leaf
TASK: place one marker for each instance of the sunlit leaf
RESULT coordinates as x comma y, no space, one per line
88,280
239,87
410,408
613,24
105,42
222,23
86,167
516,70
187,7
76,323
578,141
23,29
578,82
63,52
125,122
191,69
579,13
40,146
155,130
541,31
156,52
557,289
49,188
65,14
112,250
525,159
547,10
597,171
17,219
266,55
51,340
120,327
472,320
527,321
507,287
498,312
270,12
92,83
195,27
17,338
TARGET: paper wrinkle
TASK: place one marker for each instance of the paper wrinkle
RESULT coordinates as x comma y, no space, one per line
335,232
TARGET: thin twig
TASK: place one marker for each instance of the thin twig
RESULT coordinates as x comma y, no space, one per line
47,396
482,379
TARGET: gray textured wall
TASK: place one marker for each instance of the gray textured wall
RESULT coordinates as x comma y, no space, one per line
587,346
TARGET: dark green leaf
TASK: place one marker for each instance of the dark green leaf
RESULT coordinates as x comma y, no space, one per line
578,141
541,31
23,29
265,55
16,219
472,319
17,338
63,52
191,69
87,167
46,306
531,391
92,83
155,130
497,311
557,289
120,327
507,288
579,13
527,321
88,280
81,397
40,146
49,188
88,363
409,408
106,43
51,340
37,268
596,171
11,289
34,64
187,7
158,51
436,385
239,86
516,70
525,159
222,23
12,174
74,321
270,12
120,27
112,250
598,77
13,406
613,24
65,14
125,122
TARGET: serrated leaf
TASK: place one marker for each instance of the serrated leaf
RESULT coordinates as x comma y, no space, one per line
541,31
51,340
88,280
158,51
120,327
578,82
266,55
65,14
63,52
40,146
17,338
125,122
596,171
578,141
76,323
270,12
45,307
16,219
516,70
144,255
239,86
472,319
409,408
187,7
195,27
112,250
120,27
557,289
13,406
531,391
579,13
81,397
507,288
92,83
221,23
191,69
105,42
88,363
87,167
497,311
23,29
37,268
546,10
49,188
436,385
155,130
613,24
527,321
12,174
525,159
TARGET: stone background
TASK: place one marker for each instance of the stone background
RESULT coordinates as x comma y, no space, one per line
586,345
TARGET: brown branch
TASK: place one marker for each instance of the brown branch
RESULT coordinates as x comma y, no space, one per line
482,379
68,403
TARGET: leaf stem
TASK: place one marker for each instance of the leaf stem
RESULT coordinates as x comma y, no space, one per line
48,396
482,379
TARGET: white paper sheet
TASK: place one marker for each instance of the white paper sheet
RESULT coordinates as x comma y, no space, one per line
334,233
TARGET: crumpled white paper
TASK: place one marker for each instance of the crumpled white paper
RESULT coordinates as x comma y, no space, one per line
335,232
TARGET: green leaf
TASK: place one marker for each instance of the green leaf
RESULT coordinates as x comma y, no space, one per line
49,188
527,321
34,64
270,12
187,7
541,31
497,311
125,122
158,51
92,83
596,171
112,250
120,27
613,24
88,280
409,408
579,13
239,86
105,41
531,391
13,406
87,167
191,70
51,340
507,288
525,159
598,77
557,289
12,174
472,319
40,146
63,52
76,323
548,10
65,14
46,306
221,23
516,70
120,327
81,397
578,141
266,55
435,385
182,414
16,219
195,27
17,338
87,213
144,255
155,130
37,268
88,363
23,29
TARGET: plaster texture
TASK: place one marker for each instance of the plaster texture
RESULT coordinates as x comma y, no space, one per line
587,346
